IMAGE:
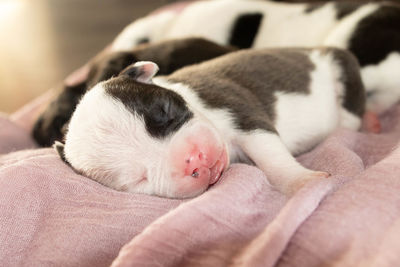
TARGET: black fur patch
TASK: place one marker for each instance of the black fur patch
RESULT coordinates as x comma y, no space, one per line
245,30
163,111
110,65
354,93
59,147
175,54
313,7
50,126
377,35
168,55
345,8
144,40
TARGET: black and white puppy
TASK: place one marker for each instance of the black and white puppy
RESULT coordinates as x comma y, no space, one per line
169,55
369,30
174,135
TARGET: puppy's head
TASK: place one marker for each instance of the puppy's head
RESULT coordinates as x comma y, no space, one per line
132,135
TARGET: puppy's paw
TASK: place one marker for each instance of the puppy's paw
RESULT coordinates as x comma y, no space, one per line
297,183
371,122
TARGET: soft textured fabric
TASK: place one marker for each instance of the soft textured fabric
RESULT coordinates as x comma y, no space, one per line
51,216
13,137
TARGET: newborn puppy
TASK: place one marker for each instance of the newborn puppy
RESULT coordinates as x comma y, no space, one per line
169,55
174,135
371,31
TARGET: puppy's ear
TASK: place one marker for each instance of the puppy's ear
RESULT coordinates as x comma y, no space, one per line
142,71
59,147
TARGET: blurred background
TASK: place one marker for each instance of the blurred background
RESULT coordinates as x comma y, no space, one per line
42,41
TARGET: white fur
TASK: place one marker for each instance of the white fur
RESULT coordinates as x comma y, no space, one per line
285,24
211,19
152,26
321,110
341,34
318,109
383,82
274,159
349,120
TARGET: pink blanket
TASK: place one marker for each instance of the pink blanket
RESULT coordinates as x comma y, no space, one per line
50,216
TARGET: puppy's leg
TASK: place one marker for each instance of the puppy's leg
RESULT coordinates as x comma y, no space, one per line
371,122
274,159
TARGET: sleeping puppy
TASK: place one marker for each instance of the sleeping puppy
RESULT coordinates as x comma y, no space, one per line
169,55
174,135
370,30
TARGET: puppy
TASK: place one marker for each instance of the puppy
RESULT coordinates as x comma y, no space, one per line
174,135
371,31
169,55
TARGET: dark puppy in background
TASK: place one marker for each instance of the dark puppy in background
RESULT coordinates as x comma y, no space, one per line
174,135
169,55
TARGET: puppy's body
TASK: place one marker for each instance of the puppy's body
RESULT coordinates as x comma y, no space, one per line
371,31
284,91
175,134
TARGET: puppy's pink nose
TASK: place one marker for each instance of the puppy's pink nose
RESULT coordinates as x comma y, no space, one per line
195,163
